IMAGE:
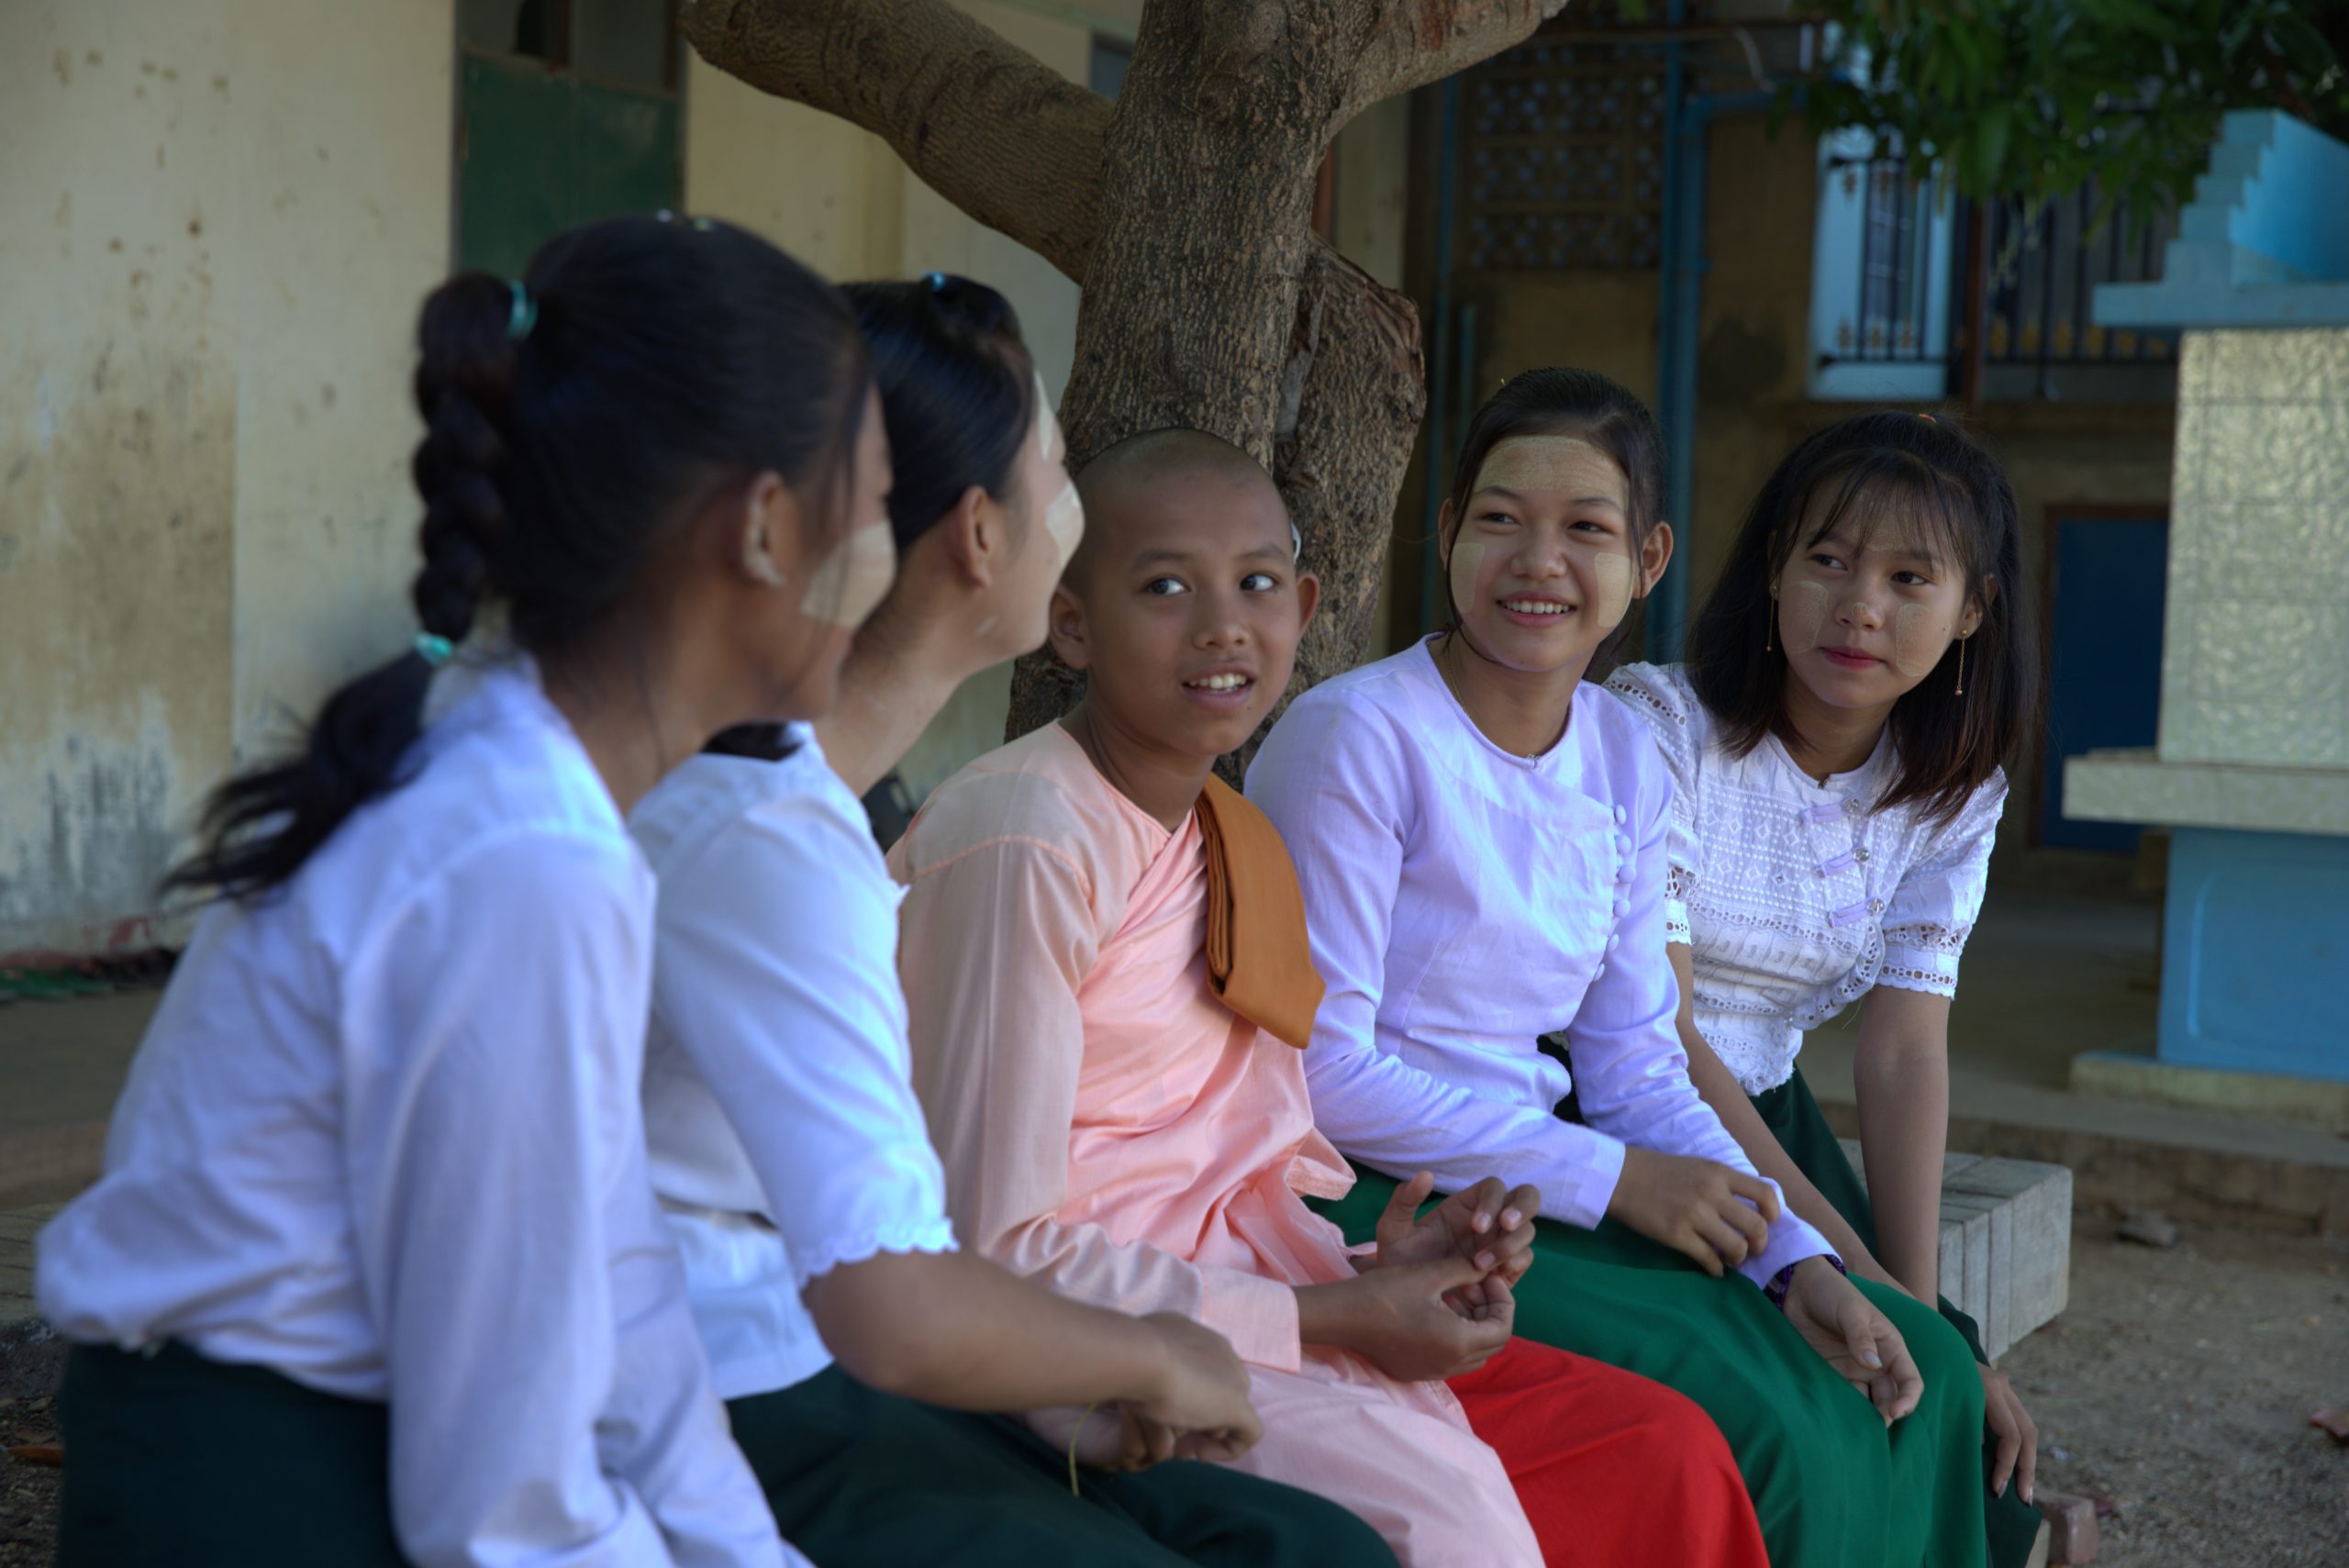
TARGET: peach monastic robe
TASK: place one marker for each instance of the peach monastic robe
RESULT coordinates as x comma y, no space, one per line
1109,1127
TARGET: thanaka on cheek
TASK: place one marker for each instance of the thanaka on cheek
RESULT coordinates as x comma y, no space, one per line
1467,561
1803,622
1065,521
1611,576
1919,637
853,579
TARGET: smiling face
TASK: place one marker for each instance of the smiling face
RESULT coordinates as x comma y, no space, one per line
1185,608
1540,560
1867,608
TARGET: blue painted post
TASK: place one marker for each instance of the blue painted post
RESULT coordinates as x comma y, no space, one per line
1678,324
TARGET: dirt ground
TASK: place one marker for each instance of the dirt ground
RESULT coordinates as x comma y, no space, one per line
2178,1383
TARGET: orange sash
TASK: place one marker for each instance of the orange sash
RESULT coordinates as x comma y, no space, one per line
1258,958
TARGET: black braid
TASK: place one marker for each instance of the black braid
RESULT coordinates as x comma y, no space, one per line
657,358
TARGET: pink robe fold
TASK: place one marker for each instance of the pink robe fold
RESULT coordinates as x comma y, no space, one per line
1110,1127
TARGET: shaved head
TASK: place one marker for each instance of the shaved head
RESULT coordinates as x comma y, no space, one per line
1146,466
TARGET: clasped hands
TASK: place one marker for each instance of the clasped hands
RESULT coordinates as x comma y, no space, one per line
1432,1301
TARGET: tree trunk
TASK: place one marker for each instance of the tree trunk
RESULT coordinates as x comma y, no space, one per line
1184,209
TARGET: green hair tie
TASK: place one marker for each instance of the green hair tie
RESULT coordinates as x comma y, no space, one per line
525,314
433,649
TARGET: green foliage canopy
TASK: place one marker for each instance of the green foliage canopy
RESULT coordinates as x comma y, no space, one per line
2030,99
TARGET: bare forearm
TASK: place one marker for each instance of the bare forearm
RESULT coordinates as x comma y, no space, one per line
951,1329
1904,1129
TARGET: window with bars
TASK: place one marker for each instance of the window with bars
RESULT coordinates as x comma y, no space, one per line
1889,288
1562,152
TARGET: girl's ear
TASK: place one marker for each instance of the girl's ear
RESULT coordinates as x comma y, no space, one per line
1447,526
1654,556
767,529
973,531
1977,607
1065,622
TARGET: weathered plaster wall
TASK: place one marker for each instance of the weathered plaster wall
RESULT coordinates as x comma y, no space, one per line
214,234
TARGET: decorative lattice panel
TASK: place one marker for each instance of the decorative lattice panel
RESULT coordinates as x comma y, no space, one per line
1562,152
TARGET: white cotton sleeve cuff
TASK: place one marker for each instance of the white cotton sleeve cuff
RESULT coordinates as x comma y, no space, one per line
1791,1241
1578,1194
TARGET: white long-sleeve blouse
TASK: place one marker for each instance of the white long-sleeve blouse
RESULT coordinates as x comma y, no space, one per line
1464,902
382,1138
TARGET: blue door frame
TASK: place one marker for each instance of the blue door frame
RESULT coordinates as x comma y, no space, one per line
2108,575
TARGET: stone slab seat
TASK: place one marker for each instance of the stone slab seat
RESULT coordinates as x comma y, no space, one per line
2006,1254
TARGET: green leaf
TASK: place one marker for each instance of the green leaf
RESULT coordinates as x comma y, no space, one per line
1982,156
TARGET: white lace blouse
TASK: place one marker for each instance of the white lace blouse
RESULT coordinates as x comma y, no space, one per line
1797,898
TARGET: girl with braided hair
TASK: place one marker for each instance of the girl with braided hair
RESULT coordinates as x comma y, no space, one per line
375,1273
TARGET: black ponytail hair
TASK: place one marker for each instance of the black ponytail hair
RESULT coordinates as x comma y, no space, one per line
958,396
1565,401
639,367
958,391
1925,472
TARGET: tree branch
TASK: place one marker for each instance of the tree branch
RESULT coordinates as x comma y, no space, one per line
984,124
1413,42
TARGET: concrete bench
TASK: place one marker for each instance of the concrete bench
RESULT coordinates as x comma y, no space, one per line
2006,1241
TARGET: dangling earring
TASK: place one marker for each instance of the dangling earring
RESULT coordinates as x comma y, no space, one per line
1961,666
1770,627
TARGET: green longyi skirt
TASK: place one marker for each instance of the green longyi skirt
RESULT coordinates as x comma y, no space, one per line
1831,1486
1794,1117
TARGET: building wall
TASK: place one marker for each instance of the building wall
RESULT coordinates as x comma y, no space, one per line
214,234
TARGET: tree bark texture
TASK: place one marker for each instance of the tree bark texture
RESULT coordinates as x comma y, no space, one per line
1183,209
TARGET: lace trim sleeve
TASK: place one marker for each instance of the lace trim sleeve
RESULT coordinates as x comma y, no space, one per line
1923,957
1933,910
906,1236
1678,884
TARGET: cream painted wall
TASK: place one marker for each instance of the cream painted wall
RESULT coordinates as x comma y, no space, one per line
215,236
